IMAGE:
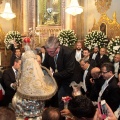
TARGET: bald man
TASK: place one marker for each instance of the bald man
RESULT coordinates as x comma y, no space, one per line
97,82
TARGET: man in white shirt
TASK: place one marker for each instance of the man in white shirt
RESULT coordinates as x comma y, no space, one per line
85,65
78,50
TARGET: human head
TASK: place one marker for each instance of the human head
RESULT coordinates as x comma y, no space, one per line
107,70
117,58
102,51
84,63
38,58
17,63
78,45
52,46
17,52
51,113
86,52
42,49
7,114
95,72
81,106
96,49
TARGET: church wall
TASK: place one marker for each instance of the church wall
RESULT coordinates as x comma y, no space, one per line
91,13
5,24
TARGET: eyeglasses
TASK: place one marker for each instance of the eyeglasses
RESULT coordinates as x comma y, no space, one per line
105,72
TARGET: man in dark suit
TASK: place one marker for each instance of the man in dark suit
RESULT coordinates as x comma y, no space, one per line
44,55
102,57
87,86
86,55
116,64
95,54
97,82
78,52
16,54
9,81
62,64
110,91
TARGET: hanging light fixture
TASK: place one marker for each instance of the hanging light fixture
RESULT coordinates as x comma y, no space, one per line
7,13
74,8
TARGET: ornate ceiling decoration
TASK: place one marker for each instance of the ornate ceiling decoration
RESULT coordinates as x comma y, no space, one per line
102,5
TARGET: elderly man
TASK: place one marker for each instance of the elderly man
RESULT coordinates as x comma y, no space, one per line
110,91
87,86
97,82
61,61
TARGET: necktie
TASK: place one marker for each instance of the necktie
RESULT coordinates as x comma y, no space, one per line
55,60
16,74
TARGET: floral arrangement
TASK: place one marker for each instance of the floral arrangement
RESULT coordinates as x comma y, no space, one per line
67,38
95,38
113,47
11,38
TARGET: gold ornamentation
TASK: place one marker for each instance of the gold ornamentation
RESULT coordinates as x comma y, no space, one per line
112,27
102,5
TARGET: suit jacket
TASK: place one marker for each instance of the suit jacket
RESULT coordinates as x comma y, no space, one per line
102,60
8,78
97,57
45,59
96,87
87,82
74,52
112,94
65,66
87,79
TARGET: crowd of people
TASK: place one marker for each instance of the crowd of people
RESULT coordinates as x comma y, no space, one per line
99,76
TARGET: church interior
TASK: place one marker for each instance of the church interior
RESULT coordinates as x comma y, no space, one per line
80,26
35,15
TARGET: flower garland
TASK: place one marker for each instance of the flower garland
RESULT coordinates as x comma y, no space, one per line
95,38
113,47
11,38
67,38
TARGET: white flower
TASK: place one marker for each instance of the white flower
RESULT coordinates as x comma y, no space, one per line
11,37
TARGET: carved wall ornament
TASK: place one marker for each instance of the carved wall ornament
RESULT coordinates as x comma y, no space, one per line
109,26
102,5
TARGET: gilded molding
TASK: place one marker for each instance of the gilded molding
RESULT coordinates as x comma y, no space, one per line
112,26
102,5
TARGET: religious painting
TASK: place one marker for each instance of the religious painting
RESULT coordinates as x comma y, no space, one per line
49,12
103,28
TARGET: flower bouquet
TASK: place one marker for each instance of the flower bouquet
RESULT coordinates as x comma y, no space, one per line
95,38
11,38
67,38
113,47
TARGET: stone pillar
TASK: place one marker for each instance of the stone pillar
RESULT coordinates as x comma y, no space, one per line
25,16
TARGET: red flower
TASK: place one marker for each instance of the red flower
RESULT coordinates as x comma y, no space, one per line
66,99
26,40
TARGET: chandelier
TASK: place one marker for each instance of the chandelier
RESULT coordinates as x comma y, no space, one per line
7,13
74,8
